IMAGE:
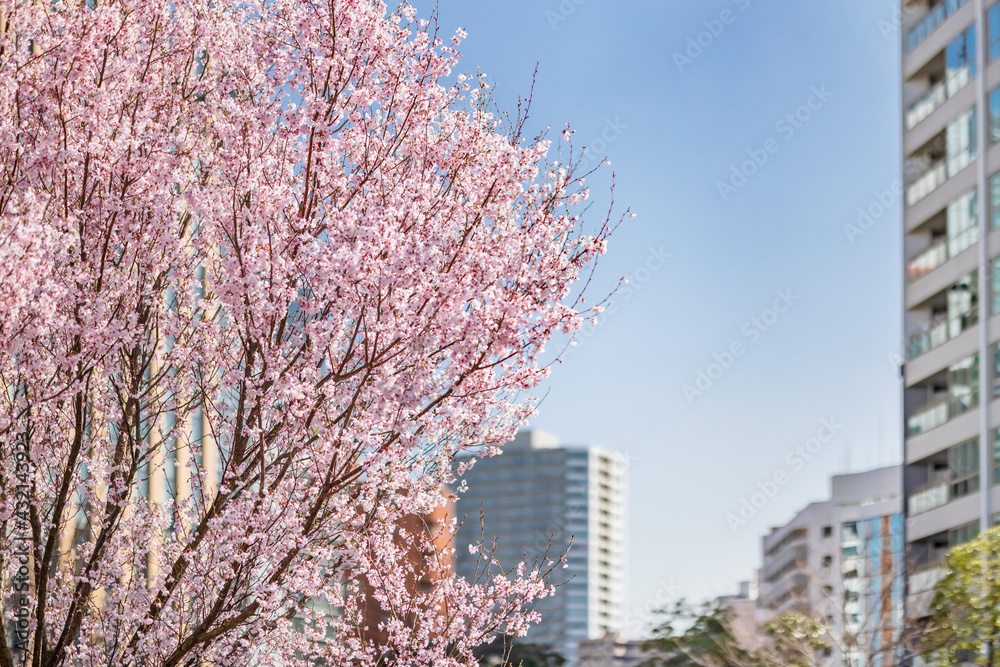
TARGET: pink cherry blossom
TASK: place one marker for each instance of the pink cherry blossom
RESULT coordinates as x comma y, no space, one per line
266,278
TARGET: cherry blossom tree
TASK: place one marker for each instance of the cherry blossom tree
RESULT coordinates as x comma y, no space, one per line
268,270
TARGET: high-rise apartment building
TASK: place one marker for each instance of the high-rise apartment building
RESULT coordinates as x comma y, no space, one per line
842,561
951,248
539,492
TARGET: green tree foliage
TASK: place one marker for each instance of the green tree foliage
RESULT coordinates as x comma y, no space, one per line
704,637
965,609
795,641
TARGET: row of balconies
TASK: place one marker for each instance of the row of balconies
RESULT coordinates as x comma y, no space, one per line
789,588
936,14
942,157
940,413
795,558
943,305
940,252
940,330
934,76
940,153
940,493
945,510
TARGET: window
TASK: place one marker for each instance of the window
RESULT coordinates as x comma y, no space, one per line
963,297
960,142
996,456
827,531
963,468
963,459
960,60
995,201
937,15
993,34
849,531
963,223
963,381
995,115
827,561
996,286
962,386
966,533
996,368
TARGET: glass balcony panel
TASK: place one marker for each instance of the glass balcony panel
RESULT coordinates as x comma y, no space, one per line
958,78
962,234
928,418
927,183
937,16
925,579
961,142
940,413
927,261
960,160
963,241
960,60
929,498
940,332
926,105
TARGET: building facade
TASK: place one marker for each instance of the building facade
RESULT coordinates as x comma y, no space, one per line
842,561
612,651
539,496
743,614
425,575
951,252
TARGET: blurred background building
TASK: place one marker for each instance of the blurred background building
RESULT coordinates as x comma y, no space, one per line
842,561
743,614
540,496
611,650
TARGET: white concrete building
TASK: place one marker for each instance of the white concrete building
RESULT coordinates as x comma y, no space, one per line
536,492
744,615
951,253
833,559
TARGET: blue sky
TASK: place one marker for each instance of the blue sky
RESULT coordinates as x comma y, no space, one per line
677,128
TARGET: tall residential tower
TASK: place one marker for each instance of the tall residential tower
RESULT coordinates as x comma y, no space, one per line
951,249
539,492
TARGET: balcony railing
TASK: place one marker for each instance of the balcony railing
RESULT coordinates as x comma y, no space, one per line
930,498
957,79
940,413
927,182
940,332
795,558
926,579
931,22
927,261
926,105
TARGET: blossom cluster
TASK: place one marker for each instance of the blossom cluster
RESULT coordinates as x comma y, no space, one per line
266,276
